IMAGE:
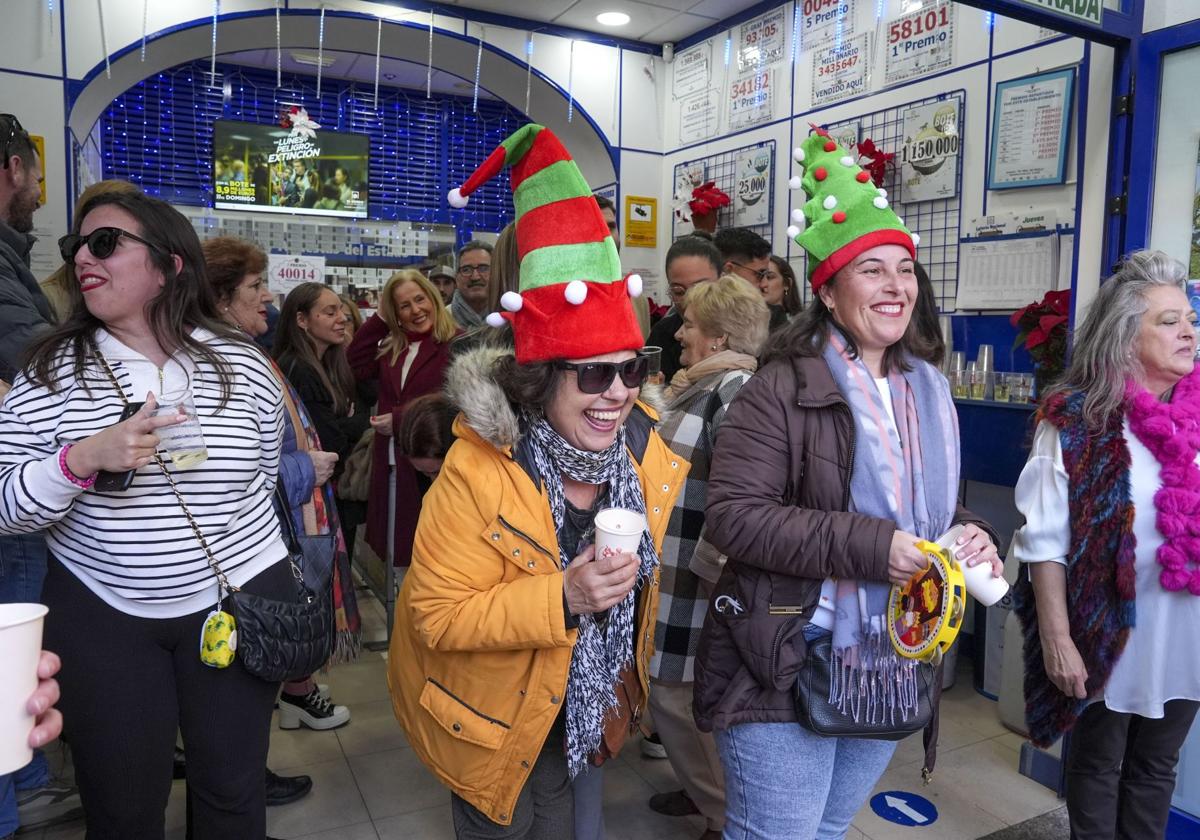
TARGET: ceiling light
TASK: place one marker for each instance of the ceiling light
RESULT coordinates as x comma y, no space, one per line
312,59
612,18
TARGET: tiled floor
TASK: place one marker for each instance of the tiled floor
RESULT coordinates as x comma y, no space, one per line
368,785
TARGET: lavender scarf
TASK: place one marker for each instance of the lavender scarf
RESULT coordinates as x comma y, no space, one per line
907,474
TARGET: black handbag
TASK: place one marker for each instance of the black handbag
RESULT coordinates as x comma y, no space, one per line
816,714
277,640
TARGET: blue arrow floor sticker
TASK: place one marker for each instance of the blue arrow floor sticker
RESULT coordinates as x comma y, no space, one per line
904,808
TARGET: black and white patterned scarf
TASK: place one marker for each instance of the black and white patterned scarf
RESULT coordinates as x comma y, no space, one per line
602,650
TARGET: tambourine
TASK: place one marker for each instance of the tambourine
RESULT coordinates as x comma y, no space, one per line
925,614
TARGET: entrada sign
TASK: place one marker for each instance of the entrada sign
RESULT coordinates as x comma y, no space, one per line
1085,10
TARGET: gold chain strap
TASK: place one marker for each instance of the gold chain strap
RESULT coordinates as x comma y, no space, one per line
222,581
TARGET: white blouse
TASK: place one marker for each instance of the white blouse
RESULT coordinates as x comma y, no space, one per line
1159,662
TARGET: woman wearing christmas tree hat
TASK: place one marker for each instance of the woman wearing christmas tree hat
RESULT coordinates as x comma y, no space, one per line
518,657
834,460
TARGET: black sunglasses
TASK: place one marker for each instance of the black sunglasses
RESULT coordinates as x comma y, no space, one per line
101,242
14,126
596,377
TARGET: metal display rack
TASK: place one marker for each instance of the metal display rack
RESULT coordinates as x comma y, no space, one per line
722,169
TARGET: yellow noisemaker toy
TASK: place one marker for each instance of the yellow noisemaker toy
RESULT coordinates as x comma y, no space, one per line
925,614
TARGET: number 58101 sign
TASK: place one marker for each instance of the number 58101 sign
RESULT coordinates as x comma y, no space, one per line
287,271
919,42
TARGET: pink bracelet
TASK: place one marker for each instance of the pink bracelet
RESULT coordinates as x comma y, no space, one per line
85,483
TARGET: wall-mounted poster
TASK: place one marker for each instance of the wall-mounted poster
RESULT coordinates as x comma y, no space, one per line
752,187
697,117
826,20
929,156
641,222
751,99
840,70
919,42
692,70
760,41
1031,119
287,271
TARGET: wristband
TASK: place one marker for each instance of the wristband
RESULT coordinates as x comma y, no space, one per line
85,483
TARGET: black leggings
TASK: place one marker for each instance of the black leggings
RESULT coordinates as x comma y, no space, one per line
127,684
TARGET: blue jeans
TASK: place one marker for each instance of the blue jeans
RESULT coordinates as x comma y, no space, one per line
22,570
779,778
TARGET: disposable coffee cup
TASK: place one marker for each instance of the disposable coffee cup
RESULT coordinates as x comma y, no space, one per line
618,531
978,579
653,359
20,649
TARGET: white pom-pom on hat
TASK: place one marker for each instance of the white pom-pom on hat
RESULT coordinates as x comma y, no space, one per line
798,155
634,284
511,301
793,231
830,202
495,319
798,216
916,239
882,192
881,202
576,292
795,182
847,161
456,198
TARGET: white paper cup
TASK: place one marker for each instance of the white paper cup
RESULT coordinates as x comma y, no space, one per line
20,649
618,531
984,588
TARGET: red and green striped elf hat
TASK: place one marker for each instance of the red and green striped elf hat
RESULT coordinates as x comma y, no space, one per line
574,302
845,214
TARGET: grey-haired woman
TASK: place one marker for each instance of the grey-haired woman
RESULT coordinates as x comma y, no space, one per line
1110,495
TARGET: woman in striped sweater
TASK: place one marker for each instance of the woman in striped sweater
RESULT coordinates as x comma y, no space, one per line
129,586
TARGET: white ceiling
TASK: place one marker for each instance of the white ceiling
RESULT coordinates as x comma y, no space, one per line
653,22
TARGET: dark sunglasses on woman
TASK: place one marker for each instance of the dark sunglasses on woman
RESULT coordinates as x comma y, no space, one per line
101,242
596,377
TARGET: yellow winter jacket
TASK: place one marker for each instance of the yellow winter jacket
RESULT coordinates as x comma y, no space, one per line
480,649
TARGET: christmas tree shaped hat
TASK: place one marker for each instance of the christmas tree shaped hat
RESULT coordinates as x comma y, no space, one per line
845,213
573,301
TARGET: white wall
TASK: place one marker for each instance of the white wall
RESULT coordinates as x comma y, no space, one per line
1160,14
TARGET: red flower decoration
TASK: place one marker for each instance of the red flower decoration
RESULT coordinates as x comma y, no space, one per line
706,198
878,161
1042,329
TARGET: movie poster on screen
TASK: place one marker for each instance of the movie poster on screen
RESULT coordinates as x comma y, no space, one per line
691,71
839,70
822,21
760,41
751,99
929,156
919,42
698,117
752,187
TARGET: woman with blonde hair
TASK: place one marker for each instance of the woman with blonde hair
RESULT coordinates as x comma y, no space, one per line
725,323
405,347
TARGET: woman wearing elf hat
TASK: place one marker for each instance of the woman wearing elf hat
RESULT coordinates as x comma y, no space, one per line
518,657
832,462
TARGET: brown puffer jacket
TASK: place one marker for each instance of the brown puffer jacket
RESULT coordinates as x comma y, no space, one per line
778,499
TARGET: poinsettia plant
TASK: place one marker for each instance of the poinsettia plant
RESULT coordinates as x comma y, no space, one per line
877,162
707,198
1042,328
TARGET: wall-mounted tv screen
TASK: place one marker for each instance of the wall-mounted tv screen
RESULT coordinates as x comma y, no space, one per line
288,170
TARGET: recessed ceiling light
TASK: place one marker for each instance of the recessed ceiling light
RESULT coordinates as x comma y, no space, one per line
612,18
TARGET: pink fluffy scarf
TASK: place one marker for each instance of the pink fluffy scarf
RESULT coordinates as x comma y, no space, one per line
1171,431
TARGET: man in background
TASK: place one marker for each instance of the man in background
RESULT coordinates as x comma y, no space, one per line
473,280
747,255
28,797
442,278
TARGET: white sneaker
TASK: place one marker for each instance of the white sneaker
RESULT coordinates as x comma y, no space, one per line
313,710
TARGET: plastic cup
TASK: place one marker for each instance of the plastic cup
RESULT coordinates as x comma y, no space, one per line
184,442
986,359
978,579
653,358
618,531
20,649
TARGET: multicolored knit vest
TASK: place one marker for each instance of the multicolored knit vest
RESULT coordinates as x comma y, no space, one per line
573,301
1100,567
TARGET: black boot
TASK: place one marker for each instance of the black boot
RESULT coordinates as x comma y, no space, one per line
284,789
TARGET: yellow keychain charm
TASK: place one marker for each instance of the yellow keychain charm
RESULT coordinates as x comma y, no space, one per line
218,639
925,614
